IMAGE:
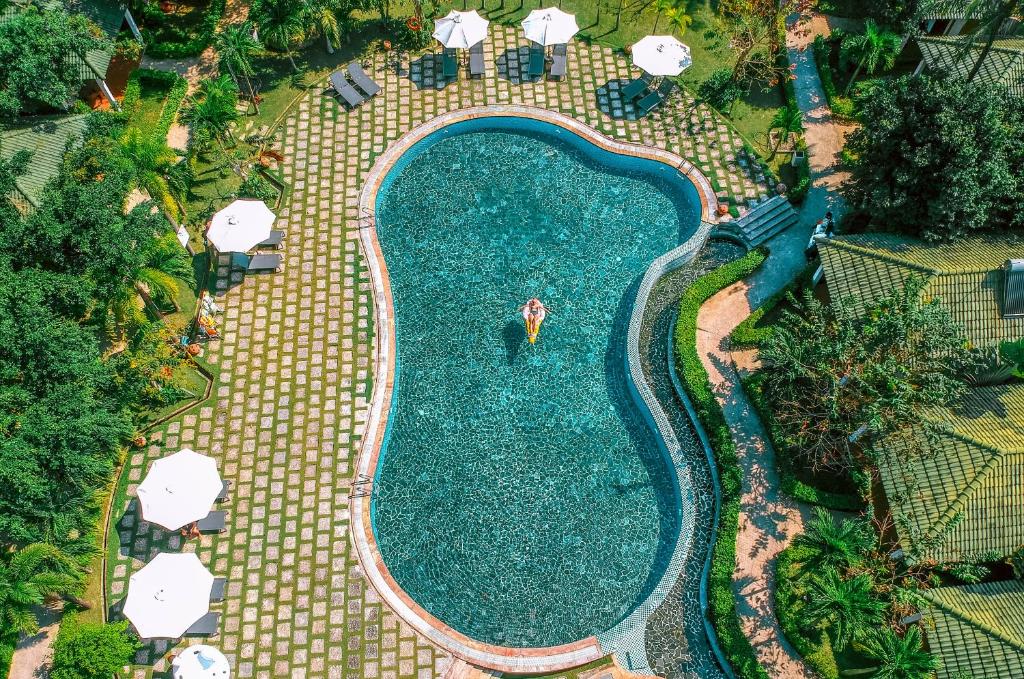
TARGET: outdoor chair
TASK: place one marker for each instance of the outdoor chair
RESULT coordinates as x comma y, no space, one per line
342,86
258,263
361,80
274,241
225,492
656,98
214,522
217,592
636,88
206,626
476,60
536,67
449,63
559,61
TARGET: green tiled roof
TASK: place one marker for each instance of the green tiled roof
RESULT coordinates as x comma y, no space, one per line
958,491
977,630
108,15
955,9
1004,63
46,138
965,276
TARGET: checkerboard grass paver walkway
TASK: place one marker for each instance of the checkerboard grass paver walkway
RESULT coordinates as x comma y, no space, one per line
295,370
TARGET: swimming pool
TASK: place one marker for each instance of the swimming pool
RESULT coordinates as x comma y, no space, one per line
519,496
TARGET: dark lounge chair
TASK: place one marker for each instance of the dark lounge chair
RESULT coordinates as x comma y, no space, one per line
225,492
656,98
449,63
636,88
476,60
536,68
214,522
342,86
217,592
258,263
559,61
206,626
361,80
274,241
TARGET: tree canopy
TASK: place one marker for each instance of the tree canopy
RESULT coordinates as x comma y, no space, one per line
939,158
91,650
40,56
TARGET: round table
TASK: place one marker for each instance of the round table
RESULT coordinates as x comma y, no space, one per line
201,662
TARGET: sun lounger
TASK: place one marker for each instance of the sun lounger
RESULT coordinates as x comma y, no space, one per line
476,60
636,88
536,62
225,492
271,262
206,626
656,98
361,80
214,522
275,240
449,63
342,86
217,592
559,61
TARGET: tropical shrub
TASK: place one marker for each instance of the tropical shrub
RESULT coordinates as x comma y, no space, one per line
720,90
86,650
167,40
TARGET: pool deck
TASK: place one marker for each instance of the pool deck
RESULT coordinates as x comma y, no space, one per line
296,370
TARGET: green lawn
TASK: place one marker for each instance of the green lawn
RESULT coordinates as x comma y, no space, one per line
152,97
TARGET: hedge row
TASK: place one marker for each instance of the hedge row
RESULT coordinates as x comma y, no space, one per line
747,334
842,107
816,652
197,42
734,643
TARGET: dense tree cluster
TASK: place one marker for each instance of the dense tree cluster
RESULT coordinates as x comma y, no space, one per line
939,158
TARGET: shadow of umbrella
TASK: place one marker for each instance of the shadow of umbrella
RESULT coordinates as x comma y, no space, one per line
611,103
512,65
425,72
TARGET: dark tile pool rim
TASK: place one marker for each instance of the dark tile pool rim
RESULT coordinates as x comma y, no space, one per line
501,658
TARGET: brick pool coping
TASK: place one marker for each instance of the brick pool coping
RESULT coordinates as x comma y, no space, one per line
501,658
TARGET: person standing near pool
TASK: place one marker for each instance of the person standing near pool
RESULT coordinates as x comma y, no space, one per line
534,313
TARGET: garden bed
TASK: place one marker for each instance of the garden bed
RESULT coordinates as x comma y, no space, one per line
184,30
152,99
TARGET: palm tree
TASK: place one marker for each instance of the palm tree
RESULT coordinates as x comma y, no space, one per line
236,46
787,121
212,109
846,607
27,577
833,544
872,48
281,23
992,17
152,160
322,17
898,658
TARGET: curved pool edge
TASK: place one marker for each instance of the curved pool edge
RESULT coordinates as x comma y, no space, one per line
501,658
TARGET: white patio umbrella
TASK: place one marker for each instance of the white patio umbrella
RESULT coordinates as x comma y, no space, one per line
168,595
661,55
200,662
550,26
460,29
240,226
179,489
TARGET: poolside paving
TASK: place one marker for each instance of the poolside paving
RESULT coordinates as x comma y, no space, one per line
295,369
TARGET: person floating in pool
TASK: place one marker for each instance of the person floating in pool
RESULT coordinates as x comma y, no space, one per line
534,313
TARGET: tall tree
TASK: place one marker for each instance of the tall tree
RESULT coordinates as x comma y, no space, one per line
236,47
846,608
27,577
833,544
898,657
212,109
281,22
870,50
787,121
153,161
939,158
40,54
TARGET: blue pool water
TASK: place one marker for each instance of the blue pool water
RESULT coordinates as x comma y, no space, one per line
521,497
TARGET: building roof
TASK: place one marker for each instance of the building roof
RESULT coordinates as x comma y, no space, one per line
977,630
108,15
956,9
46,138
955,483
966,276
1004,64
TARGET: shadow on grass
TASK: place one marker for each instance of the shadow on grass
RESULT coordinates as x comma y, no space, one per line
611,102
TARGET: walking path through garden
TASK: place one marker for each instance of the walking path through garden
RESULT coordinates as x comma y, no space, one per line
769,520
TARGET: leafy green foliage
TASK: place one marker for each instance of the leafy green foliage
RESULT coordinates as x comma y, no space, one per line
833,544
167,40
722,604
939,159
838,372
873,49
27,576
812,644
255,186
38,62
720,90
846,607
85,650
211,111
900,16
899,657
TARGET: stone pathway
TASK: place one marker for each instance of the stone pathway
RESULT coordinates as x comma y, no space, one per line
32,654
295,377
768,519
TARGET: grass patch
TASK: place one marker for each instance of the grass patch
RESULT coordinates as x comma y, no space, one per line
734,643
